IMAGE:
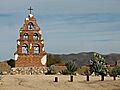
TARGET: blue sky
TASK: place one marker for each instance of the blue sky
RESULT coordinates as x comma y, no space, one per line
68,26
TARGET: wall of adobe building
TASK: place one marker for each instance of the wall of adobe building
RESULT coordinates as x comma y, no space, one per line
29,41
29,61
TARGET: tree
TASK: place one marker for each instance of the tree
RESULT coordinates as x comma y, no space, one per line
53,59
98,65
11,62
116,71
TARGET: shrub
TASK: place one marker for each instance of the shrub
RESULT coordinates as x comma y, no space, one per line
84,70
71,68
53,59
11,62
116,71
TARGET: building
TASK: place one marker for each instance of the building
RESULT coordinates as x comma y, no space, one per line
30,45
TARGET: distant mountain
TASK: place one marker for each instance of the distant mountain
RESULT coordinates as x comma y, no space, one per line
83,58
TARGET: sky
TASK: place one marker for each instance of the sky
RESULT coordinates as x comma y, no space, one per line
68,26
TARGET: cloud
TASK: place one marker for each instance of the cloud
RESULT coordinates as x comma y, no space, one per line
103,40
67,25
2,15
82,22
85,18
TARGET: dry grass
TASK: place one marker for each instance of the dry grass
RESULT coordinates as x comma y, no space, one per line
46,82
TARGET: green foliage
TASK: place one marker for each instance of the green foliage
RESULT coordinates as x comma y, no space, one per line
98,65
11,62
53,59
116,71
71,68
67,72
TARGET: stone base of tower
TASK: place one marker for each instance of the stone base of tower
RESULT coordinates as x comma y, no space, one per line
29,61
28,70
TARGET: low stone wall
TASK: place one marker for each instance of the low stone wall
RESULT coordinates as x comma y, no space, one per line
28,70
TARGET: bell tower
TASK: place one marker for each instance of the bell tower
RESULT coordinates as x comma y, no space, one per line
30,45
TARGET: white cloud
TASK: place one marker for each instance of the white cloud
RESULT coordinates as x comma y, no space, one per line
67,25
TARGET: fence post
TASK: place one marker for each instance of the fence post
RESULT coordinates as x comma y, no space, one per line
114,77
71,78
87,77
56,79
102,77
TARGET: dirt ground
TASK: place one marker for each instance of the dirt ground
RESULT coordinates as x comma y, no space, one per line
46,82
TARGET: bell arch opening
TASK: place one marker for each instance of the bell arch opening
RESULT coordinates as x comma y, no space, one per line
30,26
24,49
35,37
36,49
25,37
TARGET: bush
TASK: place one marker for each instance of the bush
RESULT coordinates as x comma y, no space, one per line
71,68
53,59
84,70
11,62
66,72
116,71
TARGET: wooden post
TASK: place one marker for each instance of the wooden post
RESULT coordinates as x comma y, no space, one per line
102,77
56,79
114,77
0,77
71,78
87,77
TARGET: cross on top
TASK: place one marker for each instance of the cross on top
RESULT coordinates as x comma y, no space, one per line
30,9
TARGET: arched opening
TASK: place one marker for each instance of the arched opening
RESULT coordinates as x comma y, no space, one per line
36,49
35,37
25,36
30,26
24,49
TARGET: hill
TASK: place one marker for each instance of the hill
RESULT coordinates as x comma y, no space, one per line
80,59
83,58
